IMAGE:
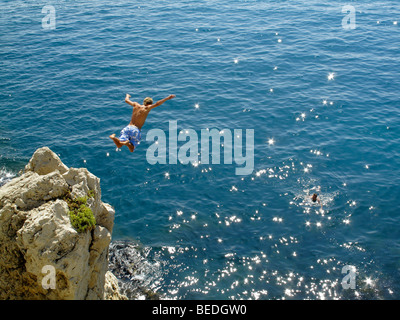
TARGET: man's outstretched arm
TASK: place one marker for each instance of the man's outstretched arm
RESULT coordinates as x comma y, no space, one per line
132,103
159,103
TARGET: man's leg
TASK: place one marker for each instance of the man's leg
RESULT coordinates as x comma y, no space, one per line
120,143
116,141
130,146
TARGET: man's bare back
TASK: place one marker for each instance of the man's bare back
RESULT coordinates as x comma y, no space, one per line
130,135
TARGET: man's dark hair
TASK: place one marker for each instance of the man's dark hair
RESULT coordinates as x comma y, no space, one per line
314,197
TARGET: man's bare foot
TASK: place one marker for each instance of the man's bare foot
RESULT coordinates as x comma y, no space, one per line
116,140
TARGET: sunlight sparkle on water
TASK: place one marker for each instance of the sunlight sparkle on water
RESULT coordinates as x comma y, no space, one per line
369,282
331,76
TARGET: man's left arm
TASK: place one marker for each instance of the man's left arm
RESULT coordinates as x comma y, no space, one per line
159,103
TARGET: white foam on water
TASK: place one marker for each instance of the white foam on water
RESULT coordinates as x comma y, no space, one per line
5,176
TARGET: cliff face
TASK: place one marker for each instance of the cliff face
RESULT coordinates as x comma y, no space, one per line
42,255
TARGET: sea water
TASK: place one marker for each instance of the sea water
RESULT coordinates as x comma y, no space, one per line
319,85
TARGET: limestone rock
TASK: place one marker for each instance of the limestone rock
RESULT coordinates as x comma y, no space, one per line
111,289
45,161
41,255
31,189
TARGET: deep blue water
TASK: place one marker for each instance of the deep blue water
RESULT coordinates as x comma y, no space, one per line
264,65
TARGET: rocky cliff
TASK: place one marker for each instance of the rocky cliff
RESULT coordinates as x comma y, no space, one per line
55,233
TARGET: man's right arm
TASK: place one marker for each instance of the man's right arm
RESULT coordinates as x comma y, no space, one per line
133,104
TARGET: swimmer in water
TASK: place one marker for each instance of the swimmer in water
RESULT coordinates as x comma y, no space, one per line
315,198
130,135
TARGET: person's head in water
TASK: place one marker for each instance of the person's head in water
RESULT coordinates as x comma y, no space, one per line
147,101
314,197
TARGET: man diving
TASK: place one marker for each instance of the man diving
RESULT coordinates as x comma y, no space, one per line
130,135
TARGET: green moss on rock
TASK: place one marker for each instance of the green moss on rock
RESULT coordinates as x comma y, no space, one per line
81,216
